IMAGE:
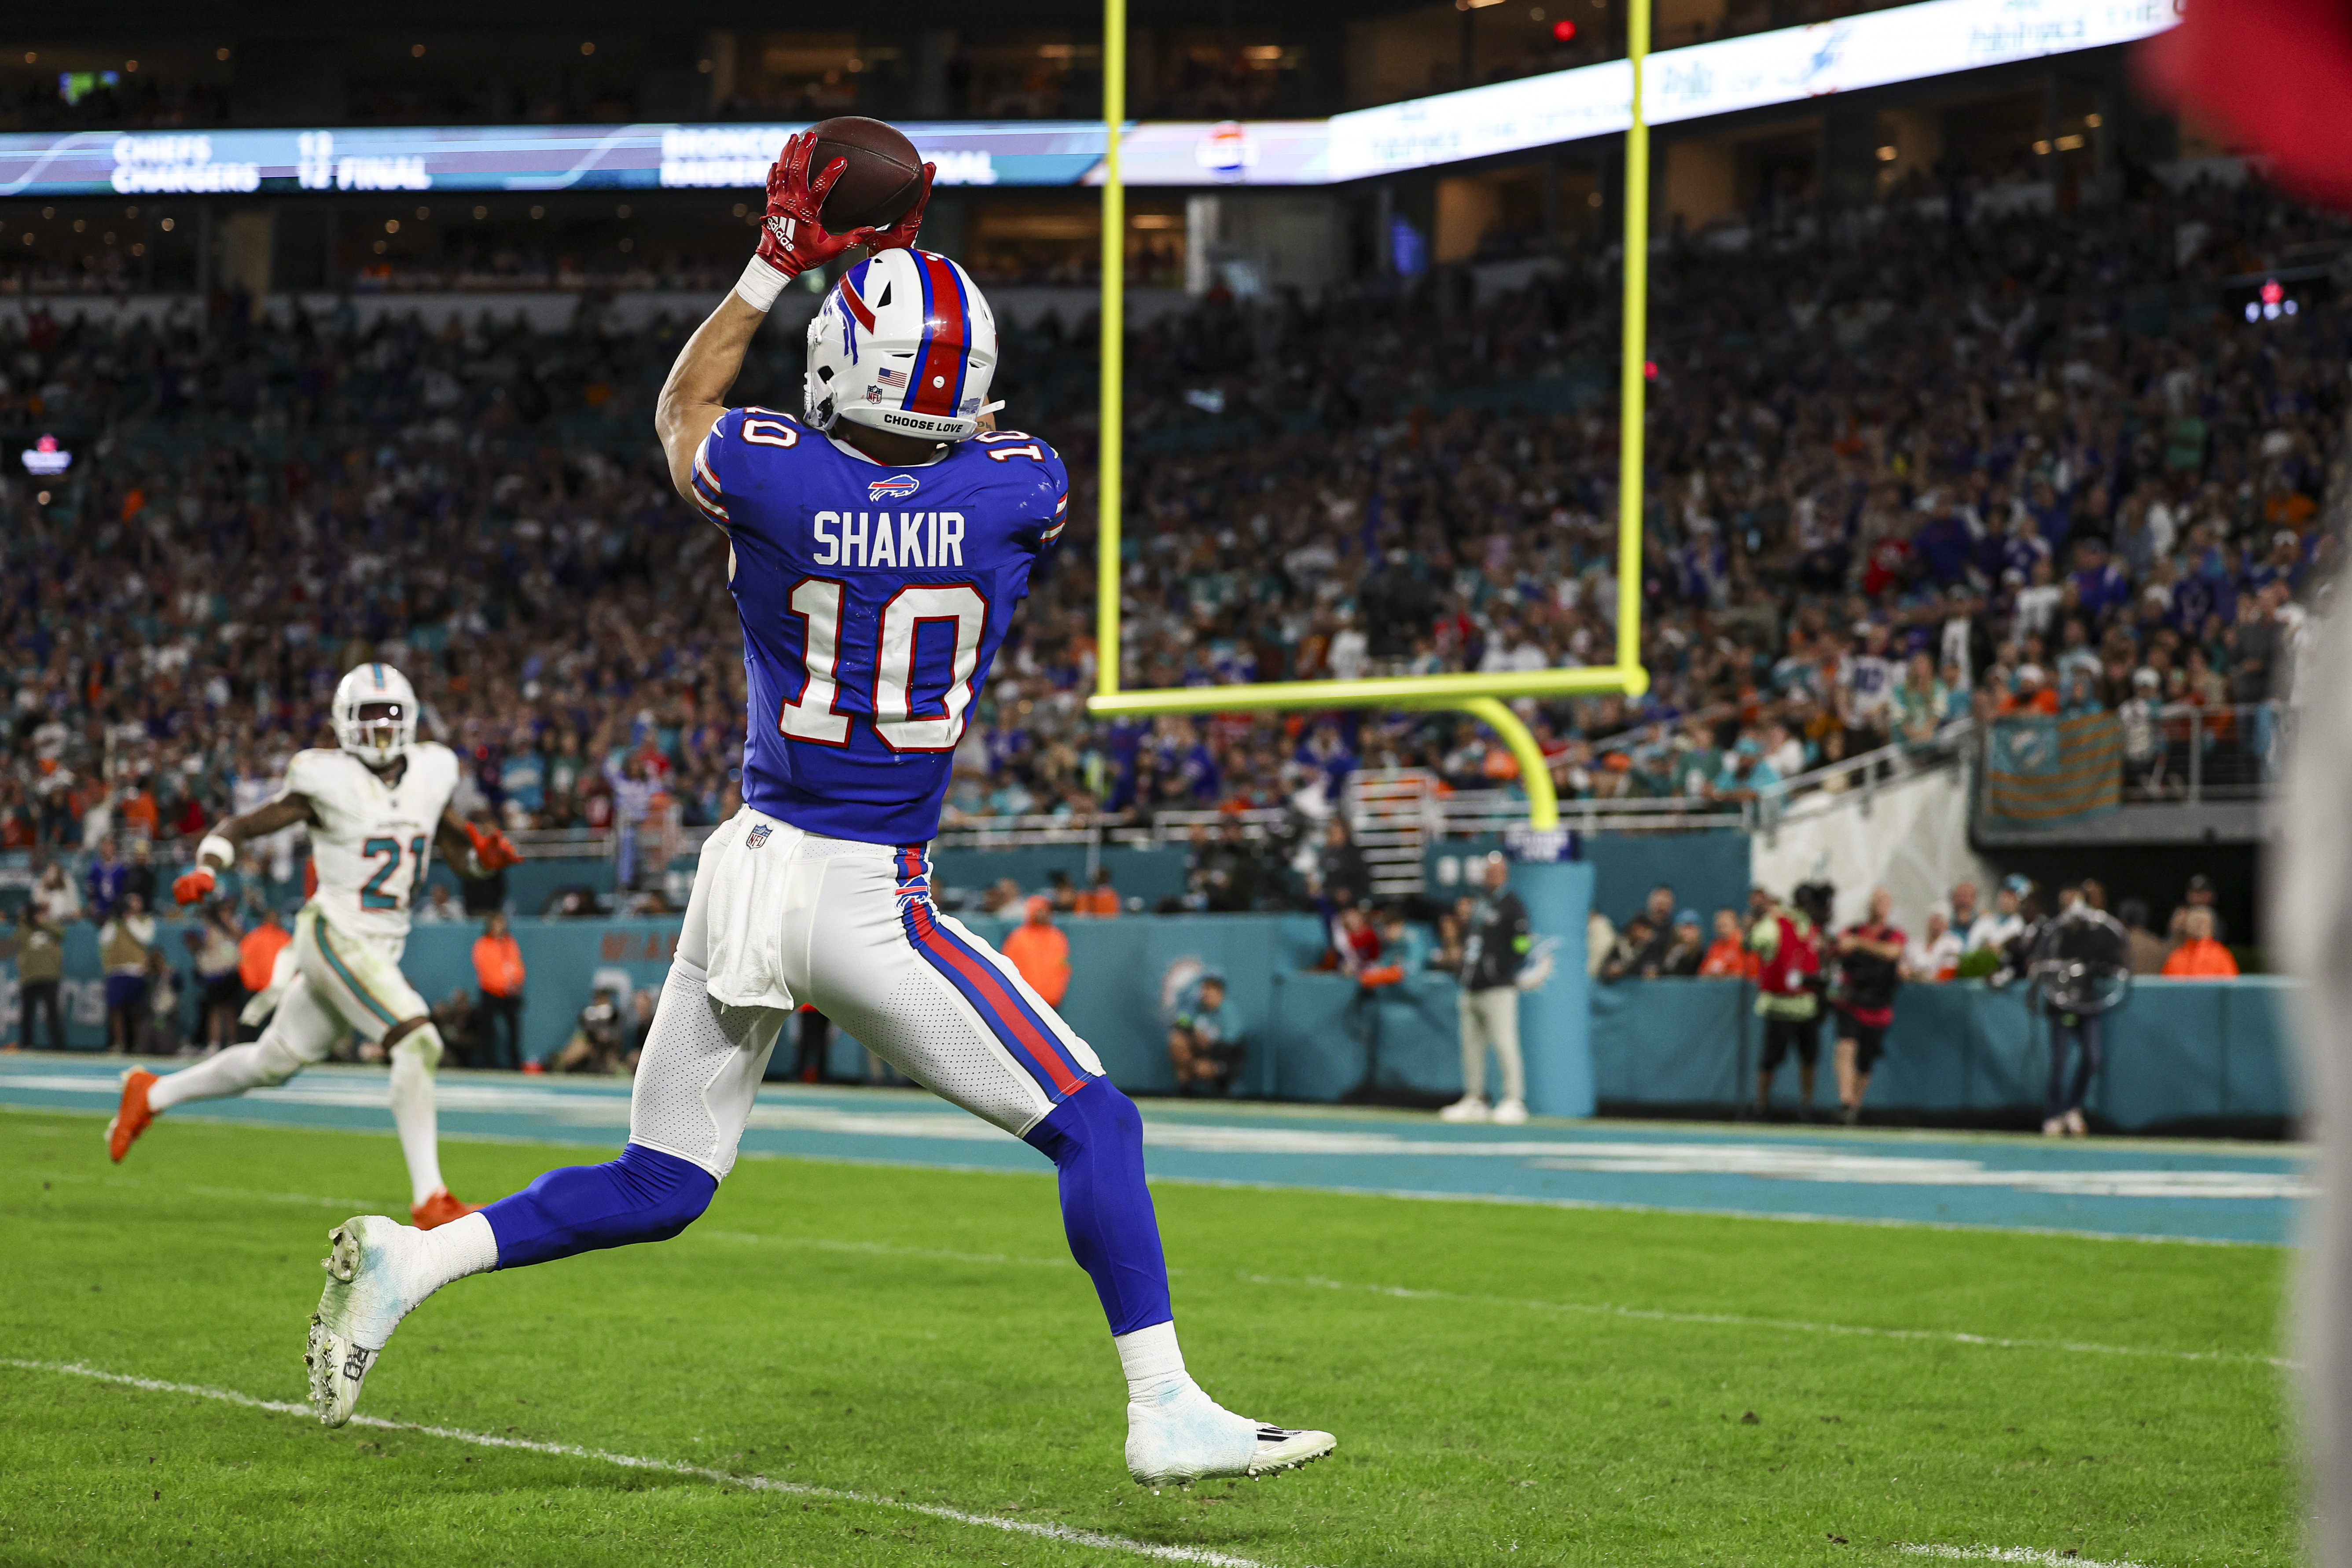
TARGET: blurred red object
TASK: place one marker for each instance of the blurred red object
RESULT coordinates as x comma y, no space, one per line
2274,77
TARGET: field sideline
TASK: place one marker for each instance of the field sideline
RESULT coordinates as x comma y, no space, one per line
871,1364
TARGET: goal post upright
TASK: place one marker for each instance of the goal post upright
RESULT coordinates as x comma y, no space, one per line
1633,359
1113,351
1483,696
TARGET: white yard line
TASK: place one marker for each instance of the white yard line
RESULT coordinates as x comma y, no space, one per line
1057,1532
1786,1325
2014,1554
307,1200
1403,1292
1594,1308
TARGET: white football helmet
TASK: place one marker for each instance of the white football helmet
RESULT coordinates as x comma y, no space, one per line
375,714
904,343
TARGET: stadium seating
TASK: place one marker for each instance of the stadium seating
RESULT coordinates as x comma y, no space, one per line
1975,431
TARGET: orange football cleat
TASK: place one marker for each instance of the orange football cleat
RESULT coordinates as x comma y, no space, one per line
438,1208
130,1118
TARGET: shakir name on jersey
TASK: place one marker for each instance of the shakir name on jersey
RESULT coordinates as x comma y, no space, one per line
873,601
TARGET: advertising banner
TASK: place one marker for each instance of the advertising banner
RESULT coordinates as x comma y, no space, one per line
1791,65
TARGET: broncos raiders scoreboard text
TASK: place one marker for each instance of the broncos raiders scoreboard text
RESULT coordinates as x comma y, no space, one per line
1877,48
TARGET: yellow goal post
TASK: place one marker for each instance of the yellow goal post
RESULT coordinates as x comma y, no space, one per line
1483,696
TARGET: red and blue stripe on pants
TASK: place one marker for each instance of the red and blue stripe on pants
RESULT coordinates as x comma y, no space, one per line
999,1004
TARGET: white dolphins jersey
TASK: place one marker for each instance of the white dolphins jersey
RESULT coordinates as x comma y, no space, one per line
372,841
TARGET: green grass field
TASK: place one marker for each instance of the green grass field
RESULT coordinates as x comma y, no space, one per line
1510,1385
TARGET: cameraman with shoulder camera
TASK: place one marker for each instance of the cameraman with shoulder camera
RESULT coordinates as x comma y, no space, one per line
2081,969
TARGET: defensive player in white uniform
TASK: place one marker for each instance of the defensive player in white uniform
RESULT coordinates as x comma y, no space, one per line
377,807
866,633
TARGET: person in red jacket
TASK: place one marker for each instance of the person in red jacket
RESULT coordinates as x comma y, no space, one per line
1787,940
1870,960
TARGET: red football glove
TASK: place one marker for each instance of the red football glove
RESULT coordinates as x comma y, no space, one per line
493,851
792,236
900,236
189,887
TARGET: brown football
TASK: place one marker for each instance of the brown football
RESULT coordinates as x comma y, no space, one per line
884,176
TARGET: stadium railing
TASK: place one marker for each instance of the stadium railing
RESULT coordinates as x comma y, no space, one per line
563,843
2183,753
1861,775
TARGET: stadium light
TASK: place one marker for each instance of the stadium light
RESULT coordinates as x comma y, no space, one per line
1482,696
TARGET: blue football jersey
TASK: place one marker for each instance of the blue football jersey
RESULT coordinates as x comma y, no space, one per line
873,601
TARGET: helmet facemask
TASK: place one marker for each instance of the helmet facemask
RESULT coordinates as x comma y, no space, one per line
380,730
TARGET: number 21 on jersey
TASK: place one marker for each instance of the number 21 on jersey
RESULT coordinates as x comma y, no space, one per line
376,893
956,610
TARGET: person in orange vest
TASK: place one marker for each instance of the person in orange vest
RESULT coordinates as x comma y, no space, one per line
1040,950
1728,957
1101,901
258,951
497,965
2199,956
265,967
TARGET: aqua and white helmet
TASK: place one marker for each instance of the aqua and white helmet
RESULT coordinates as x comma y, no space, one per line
375,714
904,343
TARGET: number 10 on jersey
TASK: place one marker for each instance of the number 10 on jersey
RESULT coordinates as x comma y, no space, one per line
814,715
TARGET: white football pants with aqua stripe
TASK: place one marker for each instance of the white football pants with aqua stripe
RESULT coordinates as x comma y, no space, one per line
346,984
341,985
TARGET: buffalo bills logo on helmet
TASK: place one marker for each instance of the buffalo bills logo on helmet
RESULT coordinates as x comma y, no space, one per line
757,837
897,486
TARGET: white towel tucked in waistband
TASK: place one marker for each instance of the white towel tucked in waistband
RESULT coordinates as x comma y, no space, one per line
744,906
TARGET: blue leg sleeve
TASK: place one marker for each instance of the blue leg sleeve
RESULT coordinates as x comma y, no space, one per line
644,1195
1095,1139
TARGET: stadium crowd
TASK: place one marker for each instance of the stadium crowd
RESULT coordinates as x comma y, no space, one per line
1951,465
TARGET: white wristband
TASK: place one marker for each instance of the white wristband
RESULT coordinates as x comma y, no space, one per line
214,843
759,285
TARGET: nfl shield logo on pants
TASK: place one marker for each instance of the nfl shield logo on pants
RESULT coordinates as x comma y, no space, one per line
757,837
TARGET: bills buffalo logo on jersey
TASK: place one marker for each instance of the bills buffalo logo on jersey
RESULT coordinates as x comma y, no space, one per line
897,486
757,837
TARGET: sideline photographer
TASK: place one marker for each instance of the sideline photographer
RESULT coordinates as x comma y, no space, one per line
2081,970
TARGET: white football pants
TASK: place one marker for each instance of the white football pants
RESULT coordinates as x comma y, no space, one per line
780,917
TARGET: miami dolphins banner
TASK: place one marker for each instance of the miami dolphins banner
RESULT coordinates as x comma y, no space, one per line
2045,773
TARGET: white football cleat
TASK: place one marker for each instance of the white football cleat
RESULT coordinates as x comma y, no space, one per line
1469,1108
1189,1437
1511,1113
371,1265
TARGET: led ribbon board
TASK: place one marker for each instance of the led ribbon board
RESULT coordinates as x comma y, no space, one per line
1907,43
517,158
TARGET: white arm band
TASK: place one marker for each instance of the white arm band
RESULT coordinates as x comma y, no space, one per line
759,285
214,843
